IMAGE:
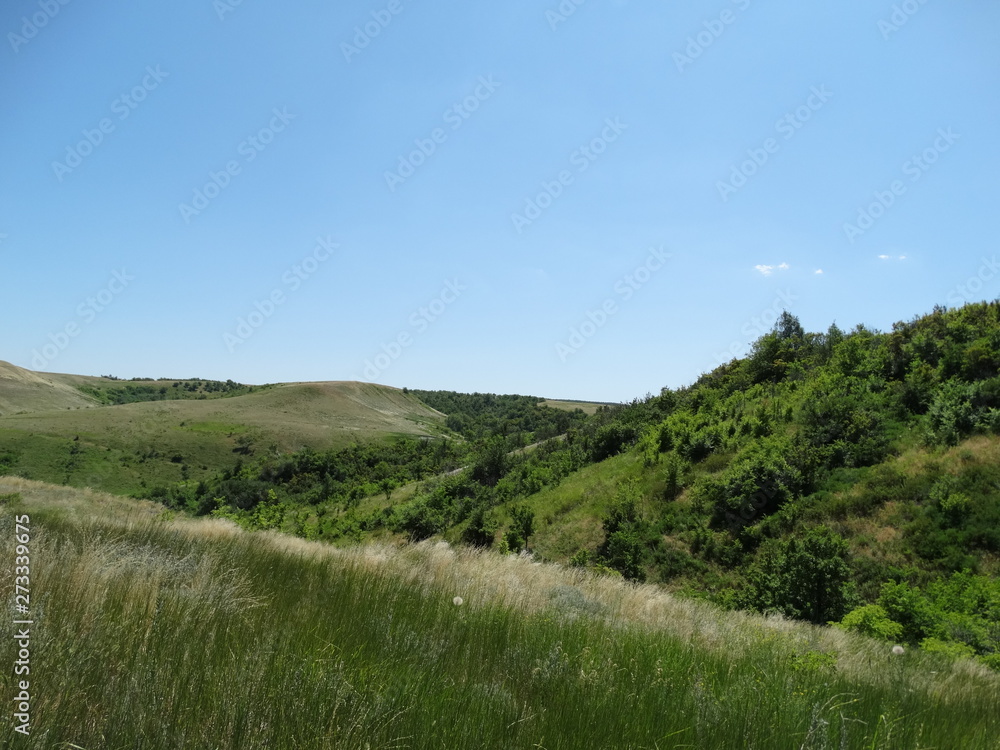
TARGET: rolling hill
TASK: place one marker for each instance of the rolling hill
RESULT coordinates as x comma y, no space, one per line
26,391
55,426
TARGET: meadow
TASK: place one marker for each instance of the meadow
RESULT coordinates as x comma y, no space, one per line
154,630
71,429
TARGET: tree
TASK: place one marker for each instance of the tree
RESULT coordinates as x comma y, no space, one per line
386,485
623,549
522,526
788,329
491,462
806,578
754,486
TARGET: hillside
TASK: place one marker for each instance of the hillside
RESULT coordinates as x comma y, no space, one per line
839,477
197,634
53,430
26,391
847,477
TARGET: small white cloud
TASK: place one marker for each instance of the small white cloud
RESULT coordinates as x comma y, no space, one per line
902,257
883,257
818,271
768,270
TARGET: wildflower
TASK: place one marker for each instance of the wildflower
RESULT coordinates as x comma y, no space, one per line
898,650
457,601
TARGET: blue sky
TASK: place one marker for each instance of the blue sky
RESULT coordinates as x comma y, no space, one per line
588,200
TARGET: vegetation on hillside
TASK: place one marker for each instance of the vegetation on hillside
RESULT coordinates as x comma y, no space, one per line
163,390
182,633
818,478
848,477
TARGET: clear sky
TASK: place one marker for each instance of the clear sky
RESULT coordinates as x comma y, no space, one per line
584,200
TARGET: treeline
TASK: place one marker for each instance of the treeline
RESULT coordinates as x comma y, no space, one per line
475,416
178,389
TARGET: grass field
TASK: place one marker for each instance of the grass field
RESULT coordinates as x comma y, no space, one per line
57,434
588,407
153,632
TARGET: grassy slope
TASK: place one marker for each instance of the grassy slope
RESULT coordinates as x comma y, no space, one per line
587,407
568,515
26,391
199,635
125,448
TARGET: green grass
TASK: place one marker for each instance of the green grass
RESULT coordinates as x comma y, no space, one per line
152,632
131,447
568,515
587,407
217,427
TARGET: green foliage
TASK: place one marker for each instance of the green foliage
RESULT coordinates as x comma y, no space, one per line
179,389
815,661
755,485
951,415
483,526
624,534
805,577
909,607
522,526
8,460
952,649
490,461
476,416
873,621
843,419
673,475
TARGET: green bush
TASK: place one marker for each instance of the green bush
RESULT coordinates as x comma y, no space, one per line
804,577
948,648
755,486
873,621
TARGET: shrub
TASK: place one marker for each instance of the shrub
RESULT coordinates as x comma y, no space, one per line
755,486
805,578
953,649
909,607
873,621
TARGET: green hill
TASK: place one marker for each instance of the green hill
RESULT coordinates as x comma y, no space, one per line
837,477
61,427
149,629
845,476
26,391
